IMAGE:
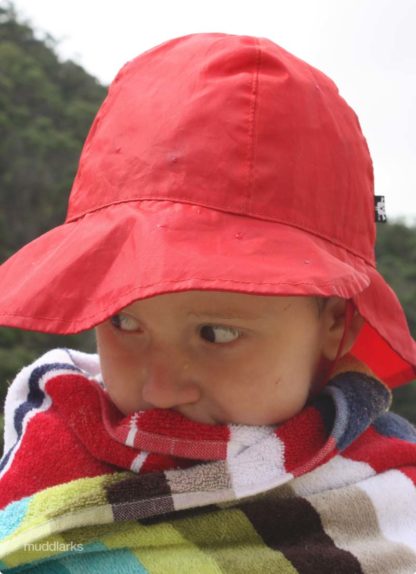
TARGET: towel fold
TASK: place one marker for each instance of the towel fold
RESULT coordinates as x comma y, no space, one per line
84,488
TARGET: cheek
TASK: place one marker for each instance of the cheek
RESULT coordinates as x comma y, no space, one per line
121,370
116,352
123,385
238,383
264,387
259,364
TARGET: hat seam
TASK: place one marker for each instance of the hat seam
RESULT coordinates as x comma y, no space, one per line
200,204
252,123
141,287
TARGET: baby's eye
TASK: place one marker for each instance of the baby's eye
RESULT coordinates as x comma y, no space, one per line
125,322
216,334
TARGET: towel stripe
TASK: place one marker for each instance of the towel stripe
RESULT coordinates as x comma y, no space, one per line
229,538
349,518
284,523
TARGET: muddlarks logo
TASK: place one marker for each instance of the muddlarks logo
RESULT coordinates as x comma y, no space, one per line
54,546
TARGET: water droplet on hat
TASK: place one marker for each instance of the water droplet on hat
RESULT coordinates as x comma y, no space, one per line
238,235
306,261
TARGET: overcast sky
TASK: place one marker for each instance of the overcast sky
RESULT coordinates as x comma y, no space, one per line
368,47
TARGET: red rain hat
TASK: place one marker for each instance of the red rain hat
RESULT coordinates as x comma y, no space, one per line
216,162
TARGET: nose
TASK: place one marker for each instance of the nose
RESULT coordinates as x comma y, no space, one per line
168,382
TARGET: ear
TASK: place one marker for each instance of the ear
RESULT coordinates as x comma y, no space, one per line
333,324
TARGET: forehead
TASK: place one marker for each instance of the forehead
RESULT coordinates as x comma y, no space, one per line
226,303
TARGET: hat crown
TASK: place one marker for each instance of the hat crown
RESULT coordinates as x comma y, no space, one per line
237,124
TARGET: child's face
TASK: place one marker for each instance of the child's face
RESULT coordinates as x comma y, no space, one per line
215,357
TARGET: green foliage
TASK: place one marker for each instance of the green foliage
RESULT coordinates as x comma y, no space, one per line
20,348
46,108
404,402
396,260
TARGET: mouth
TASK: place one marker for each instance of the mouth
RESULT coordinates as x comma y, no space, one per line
199,417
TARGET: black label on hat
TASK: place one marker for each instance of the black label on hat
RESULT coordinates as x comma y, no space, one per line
380,209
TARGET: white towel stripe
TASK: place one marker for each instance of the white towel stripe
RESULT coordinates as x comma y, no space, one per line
255,460
396,514
138,462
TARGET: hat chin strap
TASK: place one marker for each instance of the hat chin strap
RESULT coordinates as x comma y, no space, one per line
349,314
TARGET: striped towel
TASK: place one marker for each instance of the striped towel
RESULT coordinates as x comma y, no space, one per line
85,489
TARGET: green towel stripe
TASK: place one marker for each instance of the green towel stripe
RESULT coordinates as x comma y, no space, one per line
160,548
228,537
104,562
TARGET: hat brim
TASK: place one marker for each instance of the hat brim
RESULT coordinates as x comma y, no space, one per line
82,272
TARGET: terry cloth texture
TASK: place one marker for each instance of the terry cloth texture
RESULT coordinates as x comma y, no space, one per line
84,488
